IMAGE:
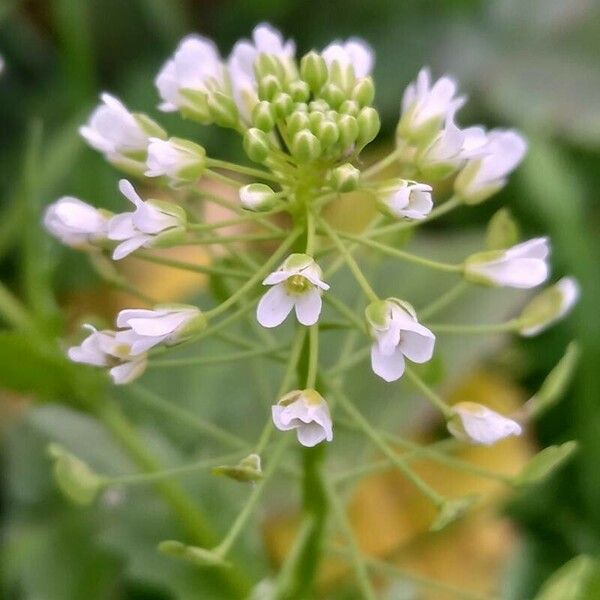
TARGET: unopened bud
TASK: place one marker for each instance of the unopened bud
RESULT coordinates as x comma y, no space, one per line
256,145
313,70
263,116
298,120
344,178
305,146
333,95
223,110
283,104
267,87
257,197
194,554
247,470
348,127
299,91
363,91
268,64
328,133
349,107
368,125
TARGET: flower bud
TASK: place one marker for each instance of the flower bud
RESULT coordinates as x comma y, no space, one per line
363,91
328,133
247,470
223,110
299,91
268,64
318,106
257,197
480,425
74,477
344,178
348,127
263,116
368,126
349,107
180,160
502,231
305,146
283,105
298,120
196,106
267,87
256,145
404,199
313,70
549,306
333,94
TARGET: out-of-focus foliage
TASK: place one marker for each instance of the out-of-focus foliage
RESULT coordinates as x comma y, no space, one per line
528,64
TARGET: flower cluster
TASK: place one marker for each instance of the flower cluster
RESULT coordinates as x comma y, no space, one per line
304,122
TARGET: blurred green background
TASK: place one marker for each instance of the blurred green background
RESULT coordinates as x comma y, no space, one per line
532,65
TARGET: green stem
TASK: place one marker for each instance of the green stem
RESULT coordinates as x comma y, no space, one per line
243,170
223,179
233,239
345,312
177,264
381,165
313,356
12,310
434,398
352,264
507,327
349,362
251,218
384,249
443,301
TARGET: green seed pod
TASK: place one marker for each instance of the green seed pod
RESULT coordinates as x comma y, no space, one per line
305,146
348,127
299,91
368,125
283,105
263,116
313,70
256,145
363,91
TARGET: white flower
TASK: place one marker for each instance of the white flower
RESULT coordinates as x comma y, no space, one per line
106,349
426,106
549,306
398,334
74,222
407,200
522,266
148,328
479,424
257,196
115,131
265,40
354,54
196,66
142,227
179,160
307,412
485,175
296,284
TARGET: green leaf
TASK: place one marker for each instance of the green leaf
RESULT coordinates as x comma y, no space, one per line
544,463
579,579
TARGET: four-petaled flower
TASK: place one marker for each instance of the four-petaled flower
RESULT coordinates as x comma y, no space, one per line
406,200
150,224
296,284
398,335
307,412
479,424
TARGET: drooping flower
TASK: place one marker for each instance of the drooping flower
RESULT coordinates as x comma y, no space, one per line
425,107
484,175
120,135
167,325
75,222
522,266
179,160
106,349
307,412
152,223
194,70
397,335
549,306
406,200
479,424
265,40
295,285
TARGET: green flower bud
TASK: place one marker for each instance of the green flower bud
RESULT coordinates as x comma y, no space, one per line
368,126
256,145
328,133
349,107
305,146
74,477
318,106
315,119
268,64
223,110
333,94
298,120
283,105
150,127
267,87
502,231
348,127
344,178
363,91
313,70
196,107
263,116
247,470
299,91
257,197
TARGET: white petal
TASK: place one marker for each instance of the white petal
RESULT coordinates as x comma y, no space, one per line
129,246
311,434
127,372
388,367
274,307
308,307
417,346
281,419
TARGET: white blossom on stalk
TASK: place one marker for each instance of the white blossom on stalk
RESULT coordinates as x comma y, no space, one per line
194,70
549,306
257,197
168,325
484,175
295,285
397,335
481,425
265,40
106,349
179,160
425,107
76,223
522,266
353,55
120,135
307,412
406,200
151,223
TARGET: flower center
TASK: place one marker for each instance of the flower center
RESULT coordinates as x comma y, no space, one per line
297,284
